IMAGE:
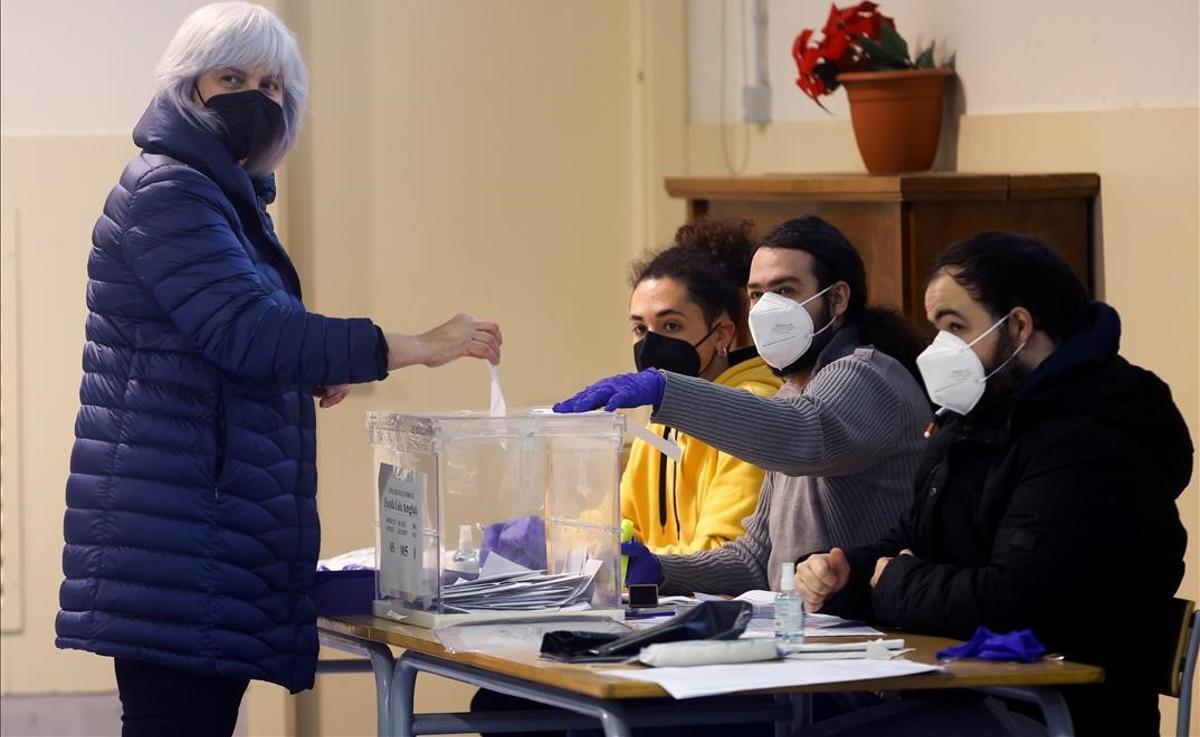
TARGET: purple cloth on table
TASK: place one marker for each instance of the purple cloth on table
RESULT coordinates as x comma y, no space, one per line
521,540
1020,646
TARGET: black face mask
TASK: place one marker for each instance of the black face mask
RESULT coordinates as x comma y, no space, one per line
253,122
669,354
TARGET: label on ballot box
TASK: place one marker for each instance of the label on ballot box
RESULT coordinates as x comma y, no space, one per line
401,521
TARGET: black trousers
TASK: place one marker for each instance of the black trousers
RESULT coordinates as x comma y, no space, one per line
164,702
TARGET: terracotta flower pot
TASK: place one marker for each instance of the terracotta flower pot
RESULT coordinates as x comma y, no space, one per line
897,117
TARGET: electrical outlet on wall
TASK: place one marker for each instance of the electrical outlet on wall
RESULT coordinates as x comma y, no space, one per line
756,104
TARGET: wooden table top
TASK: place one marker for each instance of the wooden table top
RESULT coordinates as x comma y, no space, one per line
588,680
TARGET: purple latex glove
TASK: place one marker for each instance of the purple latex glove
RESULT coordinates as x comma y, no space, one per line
1020,646
521,540
623,391
643,565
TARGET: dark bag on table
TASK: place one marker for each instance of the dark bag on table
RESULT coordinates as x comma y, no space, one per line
709,620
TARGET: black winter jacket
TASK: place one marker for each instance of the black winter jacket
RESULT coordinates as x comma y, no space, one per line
1055,512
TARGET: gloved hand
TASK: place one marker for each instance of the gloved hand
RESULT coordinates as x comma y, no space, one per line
622,391
521,540
644,566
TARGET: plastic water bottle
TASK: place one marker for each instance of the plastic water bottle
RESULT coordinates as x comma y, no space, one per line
466,558
789,609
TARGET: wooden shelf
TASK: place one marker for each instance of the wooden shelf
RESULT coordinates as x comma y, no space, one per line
900,223
928,187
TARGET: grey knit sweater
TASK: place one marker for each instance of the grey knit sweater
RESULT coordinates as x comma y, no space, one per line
841,456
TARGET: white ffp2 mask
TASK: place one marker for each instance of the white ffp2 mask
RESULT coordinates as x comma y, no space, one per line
954,376
782,328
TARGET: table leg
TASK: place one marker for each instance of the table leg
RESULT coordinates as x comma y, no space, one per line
383,665
612,715
1050,701
403,699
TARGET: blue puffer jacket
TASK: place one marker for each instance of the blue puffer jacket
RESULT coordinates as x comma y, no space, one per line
191,525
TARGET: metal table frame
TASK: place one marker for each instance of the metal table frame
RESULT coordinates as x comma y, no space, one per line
395,683
377,658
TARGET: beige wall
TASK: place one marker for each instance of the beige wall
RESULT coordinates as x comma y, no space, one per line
507,160
68,105
54,214
468,156
1066,105
1013,56
1148,261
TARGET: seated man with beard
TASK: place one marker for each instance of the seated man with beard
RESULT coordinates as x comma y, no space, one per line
1046,499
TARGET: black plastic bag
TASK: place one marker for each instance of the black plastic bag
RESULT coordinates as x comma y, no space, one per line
709,620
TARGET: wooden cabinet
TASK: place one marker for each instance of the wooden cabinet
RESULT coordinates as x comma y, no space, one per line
900,223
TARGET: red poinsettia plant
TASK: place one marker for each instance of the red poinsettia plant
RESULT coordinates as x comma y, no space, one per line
857,38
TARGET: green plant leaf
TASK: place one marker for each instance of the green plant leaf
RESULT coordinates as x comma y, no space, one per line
925,59
951,61
893,44
878,58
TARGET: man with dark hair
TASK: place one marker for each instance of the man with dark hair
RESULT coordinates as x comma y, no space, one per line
839,441
1046,499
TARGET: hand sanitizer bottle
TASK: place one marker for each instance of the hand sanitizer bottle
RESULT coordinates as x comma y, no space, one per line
789,609
466,558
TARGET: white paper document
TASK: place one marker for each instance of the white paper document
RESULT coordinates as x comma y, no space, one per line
498,407
713,680
401,522
757,598
519,634
762,601
667,447
763,628
355,560
505,585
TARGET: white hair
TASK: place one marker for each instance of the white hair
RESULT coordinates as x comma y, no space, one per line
235,34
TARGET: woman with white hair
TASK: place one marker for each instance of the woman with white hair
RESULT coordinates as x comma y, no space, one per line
191,525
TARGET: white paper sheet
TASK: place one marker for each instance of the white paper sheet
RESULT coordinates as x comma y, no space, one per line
669,448
764,628
504,585
757,598
496,565
401,521
762,601
498,407
713,680
355,560
518,633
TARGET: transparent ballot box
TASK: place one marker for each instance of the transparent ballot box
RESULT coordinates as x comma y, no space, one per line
481,517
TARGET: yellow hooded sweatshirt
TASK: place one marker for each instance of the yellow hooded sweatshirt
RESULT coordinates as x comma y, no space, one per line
700,502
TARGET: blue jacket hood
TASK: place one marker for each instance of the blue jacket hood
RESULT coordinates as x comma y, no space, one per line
164,129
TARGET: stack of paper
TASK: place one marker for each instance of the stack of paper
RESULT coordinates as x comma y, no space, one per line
815,625
762,623
713,680
762,601
504,585
355,560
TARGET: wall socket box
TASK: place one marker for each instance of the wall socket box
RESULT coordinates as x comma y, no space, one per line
756,104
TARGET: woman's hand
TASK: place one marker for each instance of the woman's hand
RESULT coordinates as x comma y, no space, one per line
460,336
331,395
